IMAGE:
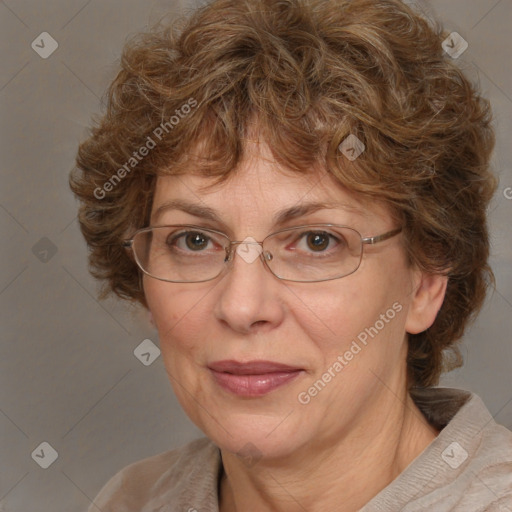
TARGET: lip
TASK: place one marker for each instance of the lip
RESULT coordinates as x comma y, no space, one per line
252,378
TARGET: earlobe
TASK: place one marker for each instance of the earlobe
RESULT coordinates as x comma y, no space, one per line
428,295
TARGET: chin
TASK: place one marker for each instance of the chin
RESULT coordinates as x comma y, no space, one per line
256,435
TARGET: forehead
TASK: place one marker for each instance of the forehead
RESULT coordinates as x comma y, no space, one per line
259,186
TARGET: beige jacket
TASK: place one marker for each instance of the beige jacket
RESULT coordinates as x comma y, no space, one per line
467,468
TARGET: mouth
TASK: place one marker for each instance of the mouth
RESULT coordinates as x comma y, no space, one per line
252,378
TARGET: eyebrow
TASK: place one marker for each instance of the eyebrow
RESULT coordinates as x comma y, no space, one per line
279,218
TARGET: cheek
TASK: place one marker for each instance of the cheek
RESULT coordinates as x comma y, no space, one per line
368,311
180,318
334,311
330,315
178,313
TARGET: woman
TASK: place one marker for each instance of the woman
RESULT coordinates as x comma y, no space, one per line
296,191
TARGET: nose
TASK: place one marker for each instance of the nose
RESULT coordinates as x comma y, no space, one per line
248,297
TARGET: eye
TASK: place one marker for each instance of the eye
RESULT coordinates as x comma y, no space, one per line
195,241
320,241
317,241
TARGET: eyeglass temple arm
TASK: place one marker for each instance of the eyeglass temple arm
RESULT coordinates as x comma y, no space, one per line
379,238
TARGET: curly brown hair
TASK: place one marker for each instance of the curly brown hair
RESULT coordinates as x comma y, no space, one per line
311,72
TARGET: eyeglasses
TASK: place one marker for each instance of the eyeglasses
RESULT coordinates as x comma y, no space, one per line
185,253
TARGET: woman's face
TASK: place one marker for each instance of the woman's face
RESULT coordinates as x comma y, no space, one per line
345,338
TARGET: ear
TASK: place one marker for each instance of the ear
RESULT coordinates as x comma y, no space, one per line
428,295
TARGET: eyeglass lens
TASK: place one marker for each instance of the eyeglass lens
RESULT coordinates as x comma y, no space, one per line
193,254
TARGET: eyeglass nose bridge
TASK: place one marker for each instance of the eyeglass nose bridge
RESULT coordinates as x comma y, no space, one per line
248,241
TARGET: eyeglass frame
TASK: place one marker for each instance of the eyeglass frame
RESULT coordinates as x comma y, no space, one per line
370,240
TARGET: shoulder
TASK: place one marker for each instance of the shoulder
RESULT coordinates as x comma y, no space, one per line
474,470
478,471
467,468
180,474
489,468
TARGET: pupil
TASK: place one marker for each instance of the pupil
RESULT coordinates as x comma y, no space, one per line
195,242
317,241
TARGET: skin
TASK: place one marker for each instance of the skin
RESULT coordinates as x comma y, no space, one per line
362,429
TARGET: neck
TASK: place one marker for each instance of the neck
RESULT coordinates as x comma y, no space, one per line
343,473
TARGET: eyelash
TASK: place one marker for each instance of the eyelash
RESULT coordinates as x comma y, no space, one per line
300,237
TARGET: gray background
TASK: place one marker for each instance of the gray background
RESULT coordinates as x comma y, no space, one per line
68,374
